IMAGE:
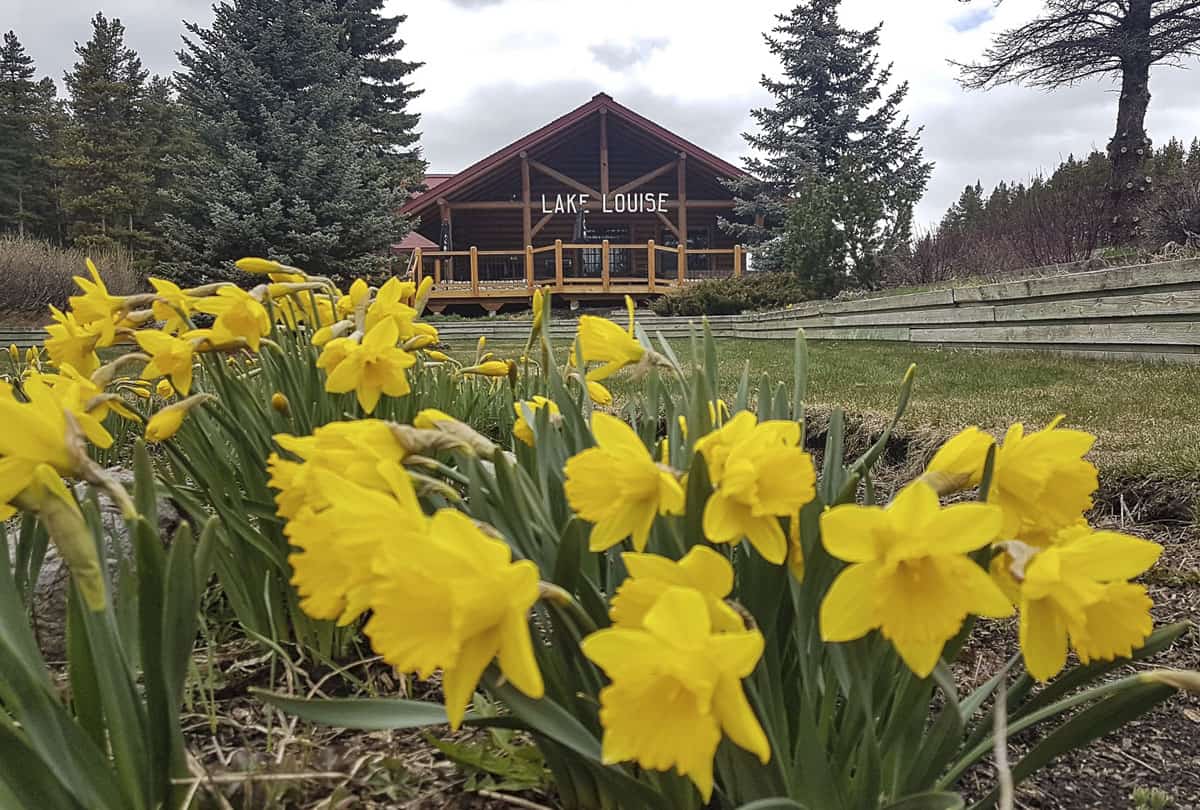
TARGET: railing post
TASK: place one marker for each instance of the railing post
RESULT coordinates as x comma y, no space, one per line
437,271
650,263
681,250
529,268
474,270
558,268
737,261
418,266
605,265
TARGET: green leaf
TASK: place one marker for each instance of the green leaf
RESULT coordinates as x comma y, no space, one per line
30,780
364,714
779,803
938,800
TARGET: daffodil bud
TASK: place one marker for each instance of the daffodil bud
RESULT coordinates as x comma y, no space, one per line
263,267
438,357
14,353
166,423
423,292
490,368
599,394
280,404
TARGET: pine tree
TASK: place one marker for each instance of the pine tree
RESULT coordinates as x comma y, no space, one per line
167,138
106,178
834,125
26,106
372,39
286,166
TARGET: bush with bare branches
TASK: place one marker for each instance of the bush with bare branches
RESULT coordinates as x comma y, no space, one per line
34,274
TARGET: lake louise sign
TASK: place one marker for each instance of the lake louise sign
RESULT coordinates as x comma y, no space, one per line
615,203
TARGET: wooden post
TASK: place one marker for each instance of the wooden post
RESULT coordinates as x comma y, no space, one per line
737,261
603,151
474,270
605,265
650,263
558,268
418,266
526,195
447,225
529,268
681,171
437,271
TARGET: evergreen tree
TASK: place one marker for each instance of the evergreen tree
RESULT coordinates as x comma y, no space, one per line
168,137
27,112
106,178
835,126
372,38
286,166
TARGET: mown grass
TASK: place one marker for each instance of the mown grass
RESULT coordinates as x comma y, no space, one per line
1146,414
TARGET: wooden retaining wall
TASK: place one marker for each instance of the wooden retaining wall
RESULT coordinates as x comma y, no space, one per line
1143,311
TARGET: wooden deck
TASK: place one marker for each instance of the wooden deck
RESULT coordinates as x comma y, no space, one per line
493,278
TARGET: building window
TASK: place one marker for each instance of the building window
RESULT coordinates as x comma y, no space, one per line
698,239
592,259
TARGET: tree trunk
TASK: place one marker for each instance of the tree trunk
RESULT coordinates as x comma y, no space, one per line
1130,145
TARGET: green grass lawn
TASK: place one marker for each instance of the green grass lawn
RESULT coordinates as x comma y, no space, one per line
1146,415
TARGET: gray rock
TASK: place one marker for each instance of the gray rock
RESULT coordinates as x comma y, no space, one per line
49,608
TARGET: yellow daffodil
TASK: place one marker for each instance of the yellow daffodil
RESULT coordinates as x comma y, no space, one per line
438,357
280,404
88,402
599,394
171,305
363,451
521,428
650,576
424,290
1077,590
958,464
602,341
239,315
166,423
371,368
35,433
759,475
170,356
164,389
676,688
618,487
14,354
337,544
252,264
391,301
72,343
96,305
489,368
909,573
455,601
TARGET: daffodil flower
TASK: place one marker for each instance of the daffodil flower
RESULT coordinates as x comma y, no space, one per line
170,356
909,573
372,368
618,487
71,342
239,315
760,475
1076,590
676,689
521,427
650,576
171,305
455,601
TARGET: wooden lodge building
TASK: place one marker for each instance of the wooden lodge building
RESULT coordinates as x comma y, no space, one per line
594,204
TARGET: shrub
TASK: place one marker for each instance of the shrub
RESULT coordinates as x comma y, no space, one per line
35,274
729,296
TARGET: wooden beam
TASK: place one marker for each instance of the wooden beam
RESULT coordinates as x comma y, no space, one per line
694,204
541,223
737,261
529,268
570,182
448,227
646,178
605,265
650,264
474,270
558,266
526,216
488,205
668,223
681,176
603,151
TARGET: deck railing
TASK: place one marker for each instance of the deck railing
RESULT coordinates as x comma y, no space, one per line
511,272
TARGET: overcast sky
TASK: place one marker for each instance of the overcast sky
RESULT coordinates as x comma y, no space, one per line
496,69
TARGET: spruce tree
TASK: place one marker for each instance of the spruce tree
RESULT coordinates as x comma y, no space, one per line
286,166
27,112
372,39
835,127
106,178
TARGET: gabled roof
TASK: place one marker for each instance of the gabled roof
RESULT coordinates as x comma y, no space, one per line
600,101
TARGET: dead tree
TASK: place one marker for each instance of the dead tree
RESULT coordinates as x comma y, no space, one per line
1076,39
